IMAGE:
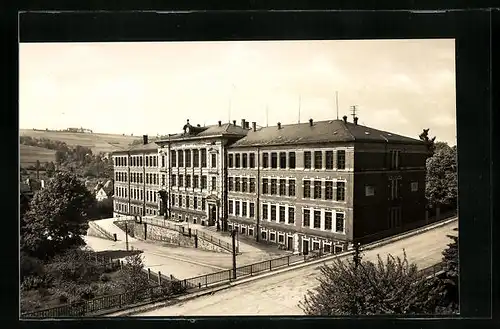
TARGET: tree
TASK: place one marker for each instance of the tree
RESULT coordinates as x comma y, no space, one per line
441,181
449,282
391,287
57,217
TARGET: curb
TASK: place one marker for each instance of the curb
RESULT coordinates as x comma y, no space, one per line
213,290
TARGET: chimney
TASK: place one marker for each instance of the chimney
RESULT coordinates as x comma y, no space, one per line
220,123
243,123
144,139
198,125
234,122
247,125
355,120
311,122
254,126
345,118
279,125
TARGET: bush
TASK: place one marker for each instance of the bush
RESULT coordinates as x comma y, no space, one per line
30,266
31,283
104,277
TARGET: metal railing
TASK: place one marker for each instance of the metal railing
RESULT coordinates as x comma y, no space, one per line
101,230
433,270
182,229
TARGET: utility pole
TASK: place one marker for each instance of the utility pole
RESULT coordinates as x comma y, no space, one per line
354,109
233,238
126,235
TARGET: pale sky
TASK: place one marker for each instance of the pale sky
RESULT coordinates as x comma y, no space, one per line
401,86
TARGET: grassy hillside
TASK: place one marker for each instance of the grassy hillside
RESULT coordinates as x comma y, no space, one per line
29,154
97,142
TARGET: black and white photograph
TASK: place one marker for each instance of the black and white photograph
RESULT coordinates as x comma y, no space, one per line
238,178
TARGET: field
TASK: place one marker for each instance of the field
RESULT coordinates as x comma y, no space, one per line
29,154
97,142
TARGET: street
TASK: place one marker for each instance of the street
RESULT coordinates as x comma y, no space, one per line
280,294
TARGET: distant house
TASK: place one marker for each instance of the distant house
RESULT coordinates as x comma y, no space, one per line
104,191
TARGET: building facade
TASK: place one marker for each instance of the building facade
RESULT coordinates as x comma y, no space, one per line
315,185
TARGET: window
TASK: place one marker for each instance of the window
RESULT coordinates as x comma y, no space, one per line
340,191
291,160
394,183
328,220
328,190
180,156
274,186
163,179
195,202
230,207
306,221
214,160
203,204
196,181
244,160
243,230
155,161
265,211
265,187
263,235
414,186
329,159
272,236
243,208
174,181
237,161
244,184
307,159
230,161
214,183
315,245
265,160
147,161
173,158
188,180
252,160
273,213
317,189
204,158
274,160
237,185
252,210
173,199
282,214
252,185
203,182
291,215
318,160
196,158
291,187
283,160
281,238
307,189
369,190
181,180
230,184
180,200
317,219
237,208
187,201
340,159
282,186
395,158
339,223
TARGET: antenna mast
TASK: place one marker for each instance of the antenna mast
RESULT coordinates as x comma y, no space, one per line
337,103
354,109
300,101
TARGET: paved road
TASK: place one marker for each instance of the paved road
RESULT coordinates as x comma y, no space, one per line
281,293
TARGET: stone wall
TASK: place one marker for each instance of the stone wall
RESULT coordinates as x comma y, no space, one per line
158,233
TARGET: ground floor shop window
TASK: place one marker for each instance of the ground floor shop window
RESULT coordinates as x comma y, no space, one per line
338,249
243,230
250,231
272,236
327,248
281,238
263,235
315,245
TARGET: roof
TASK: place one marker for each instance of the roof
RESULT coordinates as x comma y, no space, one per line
138,147
319,132
209,131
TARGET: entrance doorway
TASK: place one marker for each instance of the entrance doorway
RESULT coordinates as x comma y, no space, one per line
305,247
290,243
213,215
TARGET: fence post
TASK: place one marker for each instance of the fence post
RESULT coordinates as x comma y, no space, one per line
288,260
149,274
159,278
206,280
121,264
270,265
251,267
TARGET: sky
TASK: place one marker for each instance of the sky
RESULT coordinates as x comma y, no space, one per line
401,86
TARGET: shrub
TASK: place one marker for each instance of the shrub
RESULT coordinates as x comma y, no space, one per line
30,266
105,277
31,283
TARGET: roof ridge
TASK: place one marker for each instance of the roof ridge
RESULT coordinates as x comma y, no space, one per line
347,129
